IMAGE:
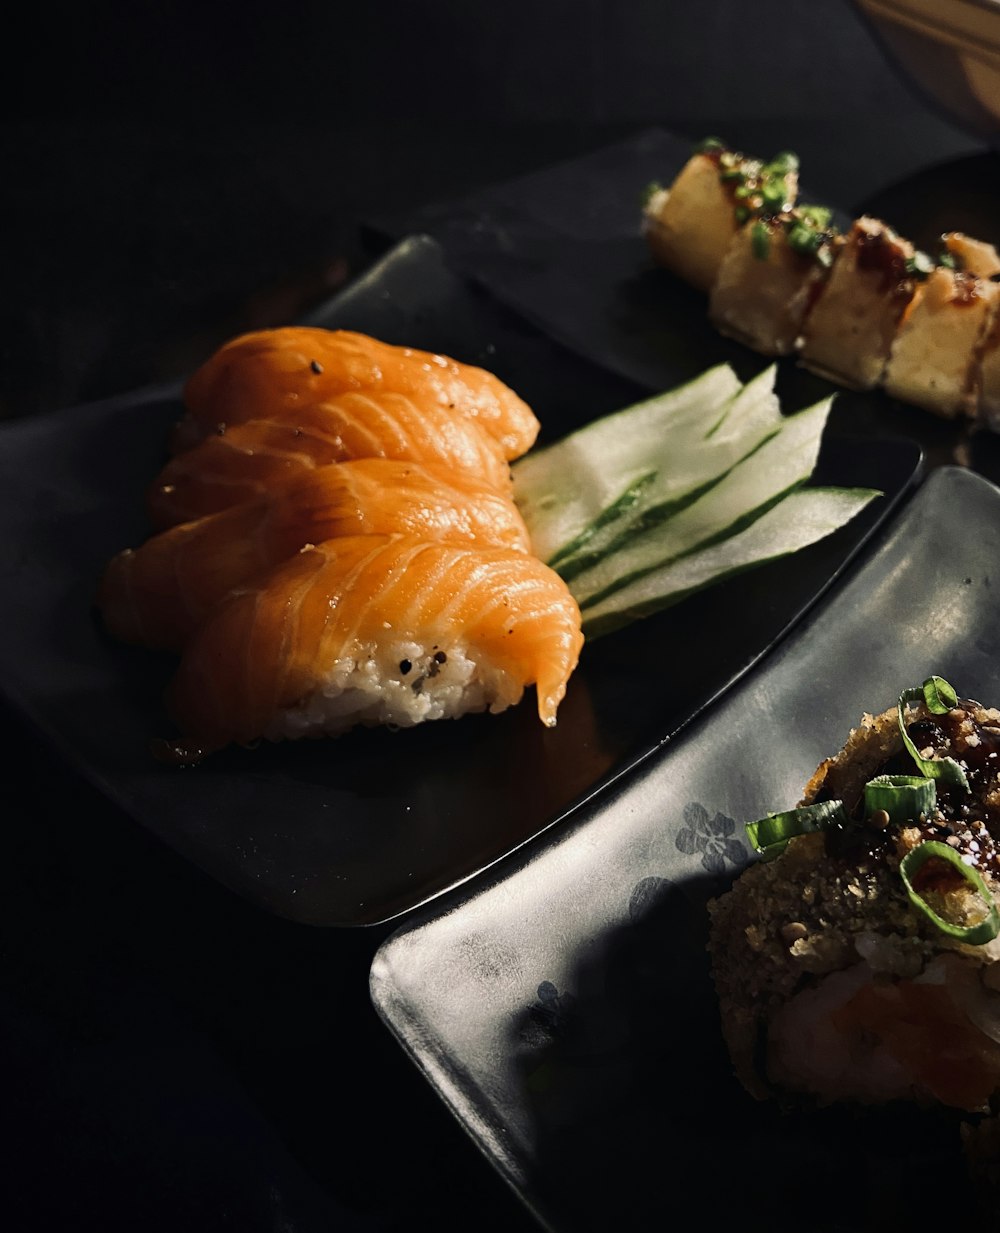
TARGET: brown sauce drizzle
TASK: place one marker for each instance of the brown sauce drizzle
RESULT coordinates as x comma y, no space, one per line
880,252
966,821
966,289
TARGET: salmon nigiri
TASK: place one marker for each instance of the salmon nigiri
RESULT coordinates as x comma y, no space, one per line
244,460
276,372
156,594
375,630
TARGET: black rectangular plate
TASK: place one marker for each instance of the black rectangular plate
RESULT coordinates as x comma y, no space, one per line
357,831
564,1011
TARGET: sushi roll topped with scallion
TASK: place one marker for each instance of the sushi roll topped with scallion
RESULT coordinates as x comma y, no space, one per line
856,961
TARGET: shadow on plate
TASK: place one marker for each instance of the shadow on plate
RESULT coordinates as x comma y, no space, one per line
636,1111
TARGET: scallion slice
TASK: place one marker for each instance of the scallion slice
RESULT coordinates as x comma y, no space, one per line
782,164
760,240
905,798
919,265
939,697
983,931
770,835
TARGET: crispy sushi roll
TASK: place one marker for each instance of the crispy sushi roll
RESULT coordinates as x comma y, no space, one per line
859,964
690,225
770,276
849,331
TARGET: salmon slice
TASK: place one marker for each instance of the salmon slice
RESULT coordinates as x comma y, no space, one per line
375,629
274,373
156,594
242,462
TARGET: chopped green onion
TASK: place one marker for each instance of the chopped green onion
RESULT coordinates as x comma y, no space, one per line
935,693
919,264
975,935
805,240
774,194
770,835
709,144
650,191
815,216
939,696
905,798
741,213
948,260
782,164
760,240
808,233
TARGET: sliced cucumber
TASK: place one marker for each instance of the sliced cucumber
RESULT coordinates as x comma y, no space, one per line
802,518
690,465
785,460
668,496
564,488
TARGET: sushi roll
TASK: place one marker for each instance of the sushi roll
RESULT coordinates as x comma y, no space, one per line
769,277
690,225
245,461
267,374
848,334
156,594
375,629
859,964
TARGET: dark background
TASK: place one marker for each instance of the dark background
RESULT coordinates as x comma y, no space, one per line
173,173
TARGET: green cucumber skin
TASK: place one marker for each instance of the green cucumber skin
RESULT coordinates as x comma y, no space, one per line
655,502
782,463
564,487
802,518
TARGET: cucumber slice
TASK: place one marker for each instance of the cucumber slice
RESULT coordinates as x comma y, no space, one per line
784,461
800,519
688,469
563,488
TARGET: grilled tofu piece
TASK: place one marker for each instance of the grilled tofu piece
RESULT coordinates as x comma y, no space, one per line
690,225
934,361
849,332
769,277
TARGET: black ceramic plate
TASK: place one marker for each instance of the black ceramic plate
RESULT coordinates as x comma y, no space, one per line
564,1012
561,247
356,831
